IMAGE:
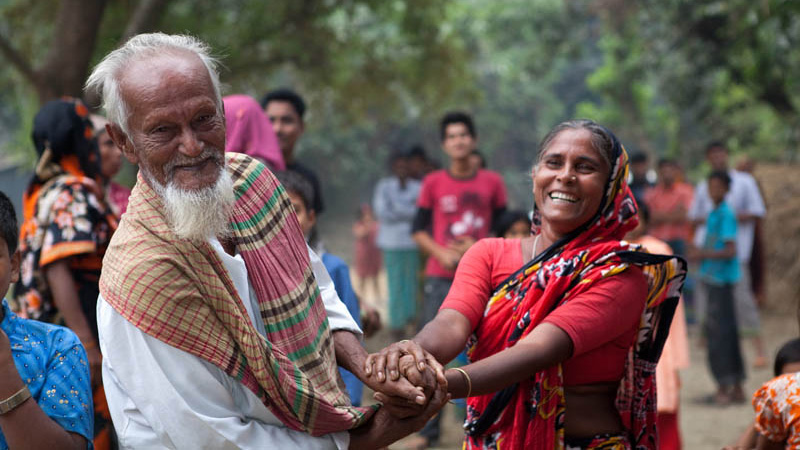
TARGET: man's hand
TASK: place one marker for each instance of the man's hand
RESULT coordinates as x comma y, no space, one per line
461,244
447,257
370,320
404,362
384,429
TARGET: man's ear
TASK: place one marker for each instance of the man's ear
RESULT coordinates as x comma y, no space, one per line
312,216
122,142
15,260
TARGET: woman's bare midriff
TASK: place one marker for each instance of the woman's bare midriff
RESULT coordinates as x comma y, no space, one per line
591,410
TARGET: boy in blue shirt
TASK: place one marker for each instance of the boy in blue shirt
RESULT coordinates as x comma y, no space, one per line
45,392
719,272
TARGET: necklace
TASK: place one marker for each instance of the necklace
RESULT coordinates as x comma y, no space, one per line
535,245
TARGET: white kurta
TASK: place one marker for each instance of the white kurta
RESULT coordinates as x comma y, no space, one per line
162,397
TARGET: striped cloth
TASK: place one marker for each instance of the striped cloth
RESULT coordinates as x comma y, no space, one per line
180,293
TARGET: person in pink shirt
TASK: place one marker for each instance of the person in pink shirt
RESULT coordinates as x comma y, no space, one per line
669,201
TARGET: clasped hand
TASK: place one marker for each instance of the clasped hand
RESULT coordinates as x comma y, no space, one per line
404,362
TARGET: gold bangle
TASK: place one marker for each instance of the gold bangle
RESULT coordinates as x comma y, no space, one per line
466,377
15,400
404,340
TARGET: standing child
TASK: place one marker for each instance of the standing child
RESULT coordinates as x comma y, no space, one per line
367,253
719,272
45,394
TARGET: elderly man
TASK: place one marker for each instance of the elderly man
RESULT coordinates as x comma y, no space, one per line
209,312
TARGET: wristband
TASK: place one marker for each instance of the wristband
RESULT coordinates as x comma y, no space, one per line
15,400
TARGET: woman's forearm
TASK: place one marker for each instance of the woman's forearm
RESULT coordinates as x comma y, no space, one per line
546,346
65,298
445,336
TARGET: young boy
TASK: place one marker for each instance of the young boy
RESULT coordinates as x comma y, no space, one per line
301,194
45,393
455,208
719,272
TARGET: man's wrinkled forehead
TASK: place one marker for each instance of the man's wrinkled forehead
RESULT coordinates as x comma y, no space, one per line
157,77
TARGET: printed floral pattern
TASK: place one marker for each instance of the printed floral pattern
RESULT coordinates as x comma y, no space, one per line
777,405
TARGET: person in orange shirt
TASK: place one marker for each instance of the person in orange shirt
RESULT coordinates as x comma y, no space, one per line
669,201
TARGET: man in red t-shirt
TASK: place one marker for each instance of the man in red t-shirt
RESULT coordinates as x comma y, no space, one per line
455,208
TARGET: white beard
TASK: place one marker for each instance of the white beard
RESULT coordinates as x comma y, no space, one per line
198,215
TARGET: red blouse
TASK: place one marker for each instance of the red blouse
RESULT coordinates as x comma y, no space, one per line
601,323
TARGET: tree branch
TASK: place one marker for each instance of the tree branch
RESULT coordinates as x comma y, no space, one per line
17,60
145,18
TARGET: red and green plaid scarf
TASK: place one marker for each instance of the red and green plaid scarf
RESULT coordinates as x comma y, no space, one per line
530,414
179,292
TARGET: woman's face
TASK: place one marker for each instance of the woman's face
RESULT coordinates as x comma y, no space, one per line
568,181
110,156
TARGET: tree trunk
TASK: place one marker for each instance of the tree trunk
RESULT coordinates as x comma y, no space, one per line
66,66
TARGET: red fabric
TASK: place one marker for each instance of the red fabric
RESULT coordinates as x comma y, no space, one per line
669,436
663,200
461,208
600,345
368,256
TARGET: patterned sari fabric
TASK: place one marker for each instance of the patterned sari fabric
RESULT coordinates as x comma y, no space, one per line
179,292
530,414
777,406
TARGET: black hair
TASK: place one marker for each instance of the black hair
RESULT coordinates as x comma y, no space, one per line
603,141
8,223
722,176
457,117
418,151
295,183
666,162
638,157
286,95
507,220
788,353
478,153
715,144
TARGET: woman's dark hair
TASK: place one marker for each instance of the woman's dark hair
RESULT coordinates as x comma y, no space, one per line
457,117
602,139
9,230
507,220
788,353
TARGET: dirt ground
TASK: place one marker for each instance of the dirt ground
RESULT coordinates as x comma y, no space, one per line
703,426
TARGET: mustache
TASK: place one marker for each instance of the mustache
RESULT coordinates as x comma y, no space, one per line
211,153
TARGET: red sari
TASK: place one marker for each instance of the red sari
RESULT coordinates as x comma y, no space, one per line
530,414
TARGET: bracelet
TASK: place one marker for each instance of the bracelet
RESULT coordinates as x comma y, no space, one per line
466,377
403,341
15,400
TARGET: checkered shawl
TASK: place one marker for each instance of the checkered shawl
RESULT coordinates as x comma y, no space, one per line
180,293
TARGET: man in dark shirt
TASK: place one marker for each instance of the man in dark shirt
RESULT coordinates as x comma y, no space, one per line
285,109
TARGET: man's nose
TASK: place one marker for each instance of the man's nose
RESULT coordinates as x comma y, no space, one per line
190,144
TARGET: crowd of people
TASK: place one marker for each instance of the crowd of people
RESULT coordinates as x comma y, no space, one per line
201,309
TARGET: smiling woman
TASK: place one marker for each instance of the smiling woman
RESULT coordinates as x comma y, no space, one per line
552,320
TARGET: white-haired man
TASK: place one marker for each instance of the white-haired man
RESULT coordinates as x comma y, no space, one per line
209,312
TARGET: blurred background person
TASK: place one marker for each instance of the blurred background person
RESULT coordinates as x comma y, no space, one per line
669,201
66,230
110,162
639,183
674,355
248,131
367,255
744,198
395,204
512,224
